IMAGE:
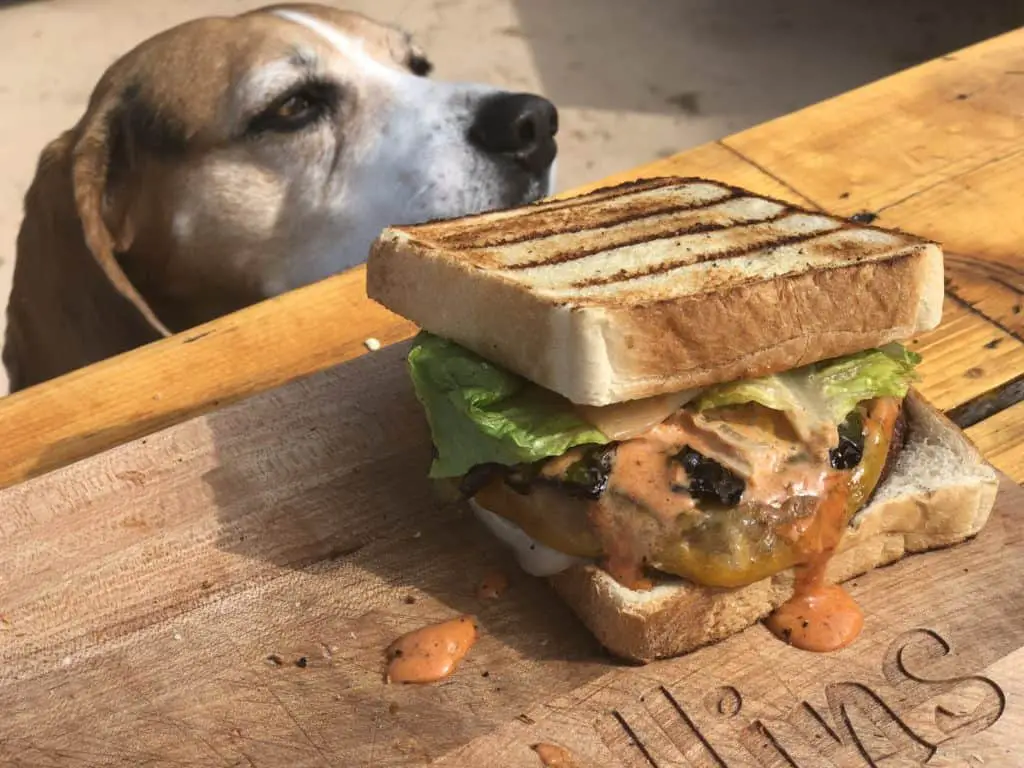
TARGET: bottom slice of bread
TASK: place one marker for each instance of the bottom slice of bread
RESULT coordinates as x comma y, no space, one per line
940,493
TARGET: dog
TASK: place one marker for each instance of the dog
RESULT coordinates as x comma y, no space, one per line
228,160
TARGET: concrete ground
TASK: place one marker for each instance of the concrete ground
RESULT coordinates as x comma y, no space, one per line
634,79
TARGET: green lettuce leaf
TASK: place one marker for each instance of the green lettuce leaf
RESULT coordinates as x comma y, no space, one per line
846,381
480,413
828,390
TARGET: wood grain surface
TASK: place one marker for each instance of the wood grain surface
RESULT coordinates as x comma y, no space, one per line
936,150
158,600
188,582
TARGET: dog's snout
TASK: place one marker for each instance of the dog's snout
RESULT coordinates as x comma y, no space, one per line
520,125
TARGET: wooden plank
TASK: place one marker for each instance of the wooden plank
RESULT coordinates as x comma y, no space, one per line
968,215
965,357
712,720
1000,438
145,591
872,147
137,393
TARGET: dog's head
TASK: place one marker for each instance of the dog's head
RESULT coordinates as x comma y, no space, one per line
230,159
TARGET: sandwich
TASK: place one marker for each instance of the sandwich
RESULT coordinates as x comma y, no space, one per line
689,406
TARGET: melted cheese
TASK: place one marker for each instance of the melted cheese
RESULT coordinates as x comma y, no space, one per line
622,421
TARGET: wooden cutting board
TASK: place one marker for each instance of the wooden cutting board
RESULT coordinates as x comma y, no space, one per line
220,594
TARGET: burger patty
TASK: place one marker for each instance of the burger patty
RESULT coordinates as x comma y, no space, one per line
709,482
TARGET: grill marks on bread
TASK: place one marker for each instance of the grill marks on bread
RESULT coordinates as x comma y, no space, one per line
657,239
473,231
587,214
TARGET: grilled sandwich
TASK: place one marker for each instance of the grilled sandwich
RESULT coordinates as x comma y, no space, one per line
685,403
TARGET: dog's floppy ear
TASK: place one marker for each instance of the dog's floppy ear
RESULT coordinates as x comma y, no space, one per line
101,196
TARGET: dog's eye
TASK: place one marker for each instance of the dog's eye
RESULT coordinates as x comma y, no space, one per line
296,110
293,107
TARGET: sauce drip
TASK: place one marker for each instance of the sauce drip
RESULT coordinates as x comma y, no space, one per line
492,586
824,617
820,617
554,756
430,653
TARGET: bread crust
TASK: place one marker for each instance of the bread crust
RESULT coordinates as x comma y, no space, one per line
852,288
909,514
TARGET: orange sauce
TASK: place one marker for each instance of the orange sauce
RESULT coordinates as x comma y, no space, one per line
824,617
819,616
492,585
430,653
554,756
642,472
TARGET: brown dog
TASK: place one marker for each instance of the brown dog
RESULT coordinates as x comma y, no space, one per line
230,159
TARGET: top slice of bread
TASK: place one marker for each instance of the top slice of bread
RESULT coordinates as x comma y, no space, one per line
657,286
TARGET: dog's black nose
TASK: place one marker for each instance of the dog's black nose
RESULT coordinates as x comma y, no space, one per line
520,125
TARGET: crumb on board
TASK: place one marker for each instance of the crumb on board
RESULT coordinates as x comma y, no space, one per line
372,344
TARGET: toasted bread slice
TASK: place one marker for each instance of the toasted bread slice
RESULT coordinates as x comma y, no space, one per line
940,493
657,286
